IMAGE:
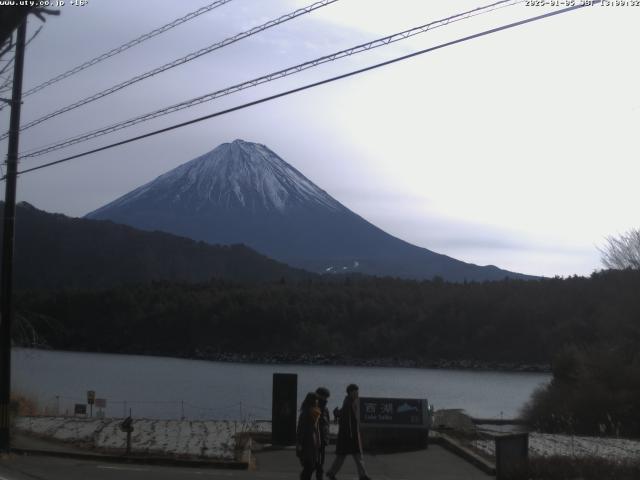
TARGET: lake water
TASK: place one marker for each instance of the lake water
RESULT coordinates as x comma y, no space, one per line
159,387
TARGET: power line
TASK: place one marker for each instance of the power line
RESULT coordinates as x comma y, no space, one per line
128,45
271,77
312,85
180,61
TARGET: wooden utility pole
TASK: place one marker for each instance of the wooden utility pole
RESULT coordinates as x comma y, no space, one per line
6,286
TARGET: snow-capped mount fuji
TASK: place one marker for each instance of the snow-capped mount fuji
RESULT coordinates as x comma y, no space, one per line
238,175
243,192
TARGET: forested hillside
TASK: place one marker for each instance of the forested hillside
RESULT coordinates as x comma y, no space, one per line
56,251
508,321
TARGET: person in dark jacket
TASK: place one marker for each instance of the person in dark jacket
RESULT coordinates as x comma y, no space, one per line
336,415
325,420
308,436
349,441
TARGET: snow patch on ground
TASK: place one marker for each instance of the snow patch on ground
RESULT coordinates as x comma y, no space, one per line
543,444
203,439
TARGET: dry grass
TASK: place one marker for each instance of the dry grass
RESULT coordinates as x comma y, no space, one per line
22,405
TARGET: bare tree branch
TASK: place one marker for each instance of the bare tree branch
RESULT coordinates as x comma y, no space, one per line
5,85
35,34
623,251
9,43
41,12
8,64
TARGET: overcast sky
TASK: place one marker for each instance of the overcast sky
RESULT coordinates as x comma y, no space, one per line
518,149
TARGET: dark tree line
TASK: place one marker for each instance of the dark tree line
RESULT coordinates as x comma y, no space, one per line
508,321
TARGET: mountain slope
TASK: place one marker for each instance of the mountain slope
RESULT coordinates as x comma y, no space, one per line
55,251
242,192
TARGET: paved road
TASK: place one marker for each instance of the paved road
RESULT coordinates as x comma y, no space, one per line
434,464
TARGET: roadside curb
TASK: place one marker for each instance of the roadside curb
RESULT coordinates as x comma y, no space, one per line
164,461
467,454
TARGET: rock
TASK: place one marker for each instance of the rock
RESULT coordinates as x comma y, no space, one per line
454,419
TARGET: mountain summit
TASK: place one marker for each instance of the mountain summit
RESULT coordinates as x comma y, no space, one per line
242,192
237,175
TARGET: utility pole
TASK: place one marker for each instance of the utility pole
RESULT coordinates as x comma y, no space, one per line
6,287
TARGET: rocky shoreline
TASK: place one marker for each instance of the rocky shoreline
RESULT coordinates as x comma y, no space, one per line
334,360
340,360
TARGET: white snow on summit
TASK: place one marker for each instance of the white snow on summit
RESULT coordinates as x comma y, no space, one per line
240,173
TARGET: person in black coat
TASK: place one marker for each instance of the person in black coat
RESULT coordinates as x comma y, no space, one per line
349,440
308,436
325,421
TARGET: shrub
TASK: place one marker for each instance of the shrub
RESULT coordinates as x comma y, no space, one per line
22,404
594,391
